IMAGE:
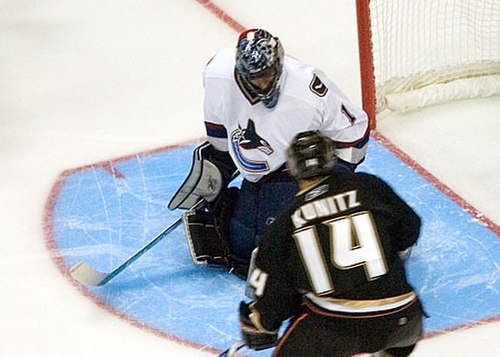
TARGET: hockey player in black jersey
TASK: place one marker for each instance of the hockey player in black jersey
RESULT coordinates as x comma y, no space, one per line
331,263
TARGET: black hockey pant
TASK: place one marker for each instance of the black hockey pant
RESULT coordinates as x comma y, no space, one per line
322,333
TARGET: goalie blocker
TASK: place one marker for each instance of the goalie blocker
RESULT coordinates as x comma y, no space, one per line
207,228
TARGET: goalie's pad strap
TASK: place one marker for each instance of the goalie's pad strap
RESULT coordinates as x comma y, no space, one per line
203,181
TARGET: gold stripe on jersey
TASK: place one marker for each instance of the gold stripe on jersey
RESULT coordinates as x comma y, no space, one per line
356,306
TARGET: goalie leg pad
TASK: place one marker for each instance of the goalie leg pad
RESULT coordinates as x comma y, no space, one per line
205,243
223,209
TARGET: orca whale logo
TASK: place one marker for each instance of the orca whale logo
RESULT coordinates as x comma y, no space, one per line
248,139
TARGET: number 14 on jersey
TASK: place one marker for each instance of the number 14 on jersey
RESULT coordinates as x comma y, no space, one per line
353,242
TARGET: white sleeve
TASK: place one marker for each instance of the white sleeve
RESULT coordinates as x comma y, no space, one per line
212,109
347,124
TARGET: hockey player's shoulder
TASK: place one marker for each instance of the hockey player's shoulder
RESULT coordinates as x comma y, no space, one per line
307,79
221,64
369,180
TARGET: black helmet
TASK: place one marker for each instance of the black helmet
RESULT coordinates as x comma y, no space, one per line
311,154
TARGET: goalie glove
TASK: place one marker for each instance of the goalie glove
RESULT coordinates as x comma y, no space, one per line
254,334
210,172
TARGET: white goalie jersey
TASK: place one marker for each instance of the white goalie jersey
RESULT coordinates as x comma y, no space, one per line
257,137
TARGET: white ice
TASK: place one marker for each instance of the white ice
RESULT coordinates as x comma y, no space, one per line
86,81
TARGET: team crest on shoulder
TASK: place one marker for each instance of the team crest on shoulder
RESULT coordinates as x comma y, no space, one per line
318,87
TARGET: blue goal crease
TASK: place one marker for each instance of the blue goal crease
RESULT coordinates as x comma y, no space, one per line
103,219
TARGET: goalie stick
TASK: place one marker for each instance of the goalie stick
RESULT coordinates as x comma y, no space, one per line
86,275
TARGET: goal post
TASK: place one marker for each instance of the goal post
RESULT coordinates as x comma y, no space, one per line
418,53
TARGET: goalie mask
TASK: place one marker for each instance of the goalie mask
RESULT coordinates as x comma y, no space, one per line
259,64
311,154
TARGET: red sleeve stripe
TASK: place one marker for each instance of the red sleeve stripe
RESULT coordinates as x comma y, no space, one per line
356,144
215,130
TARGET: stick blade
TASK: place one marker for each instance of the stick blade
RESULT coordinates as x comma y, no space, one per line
86,275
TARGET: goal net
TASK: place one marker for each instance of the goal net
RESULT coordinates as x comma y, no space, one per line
416,53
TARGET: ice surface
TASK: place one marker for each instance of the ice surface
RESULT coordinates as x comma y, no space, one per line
454,266
87,82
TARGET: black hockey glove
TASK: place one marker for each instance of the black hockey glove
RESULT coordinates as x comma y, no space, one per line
256,337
